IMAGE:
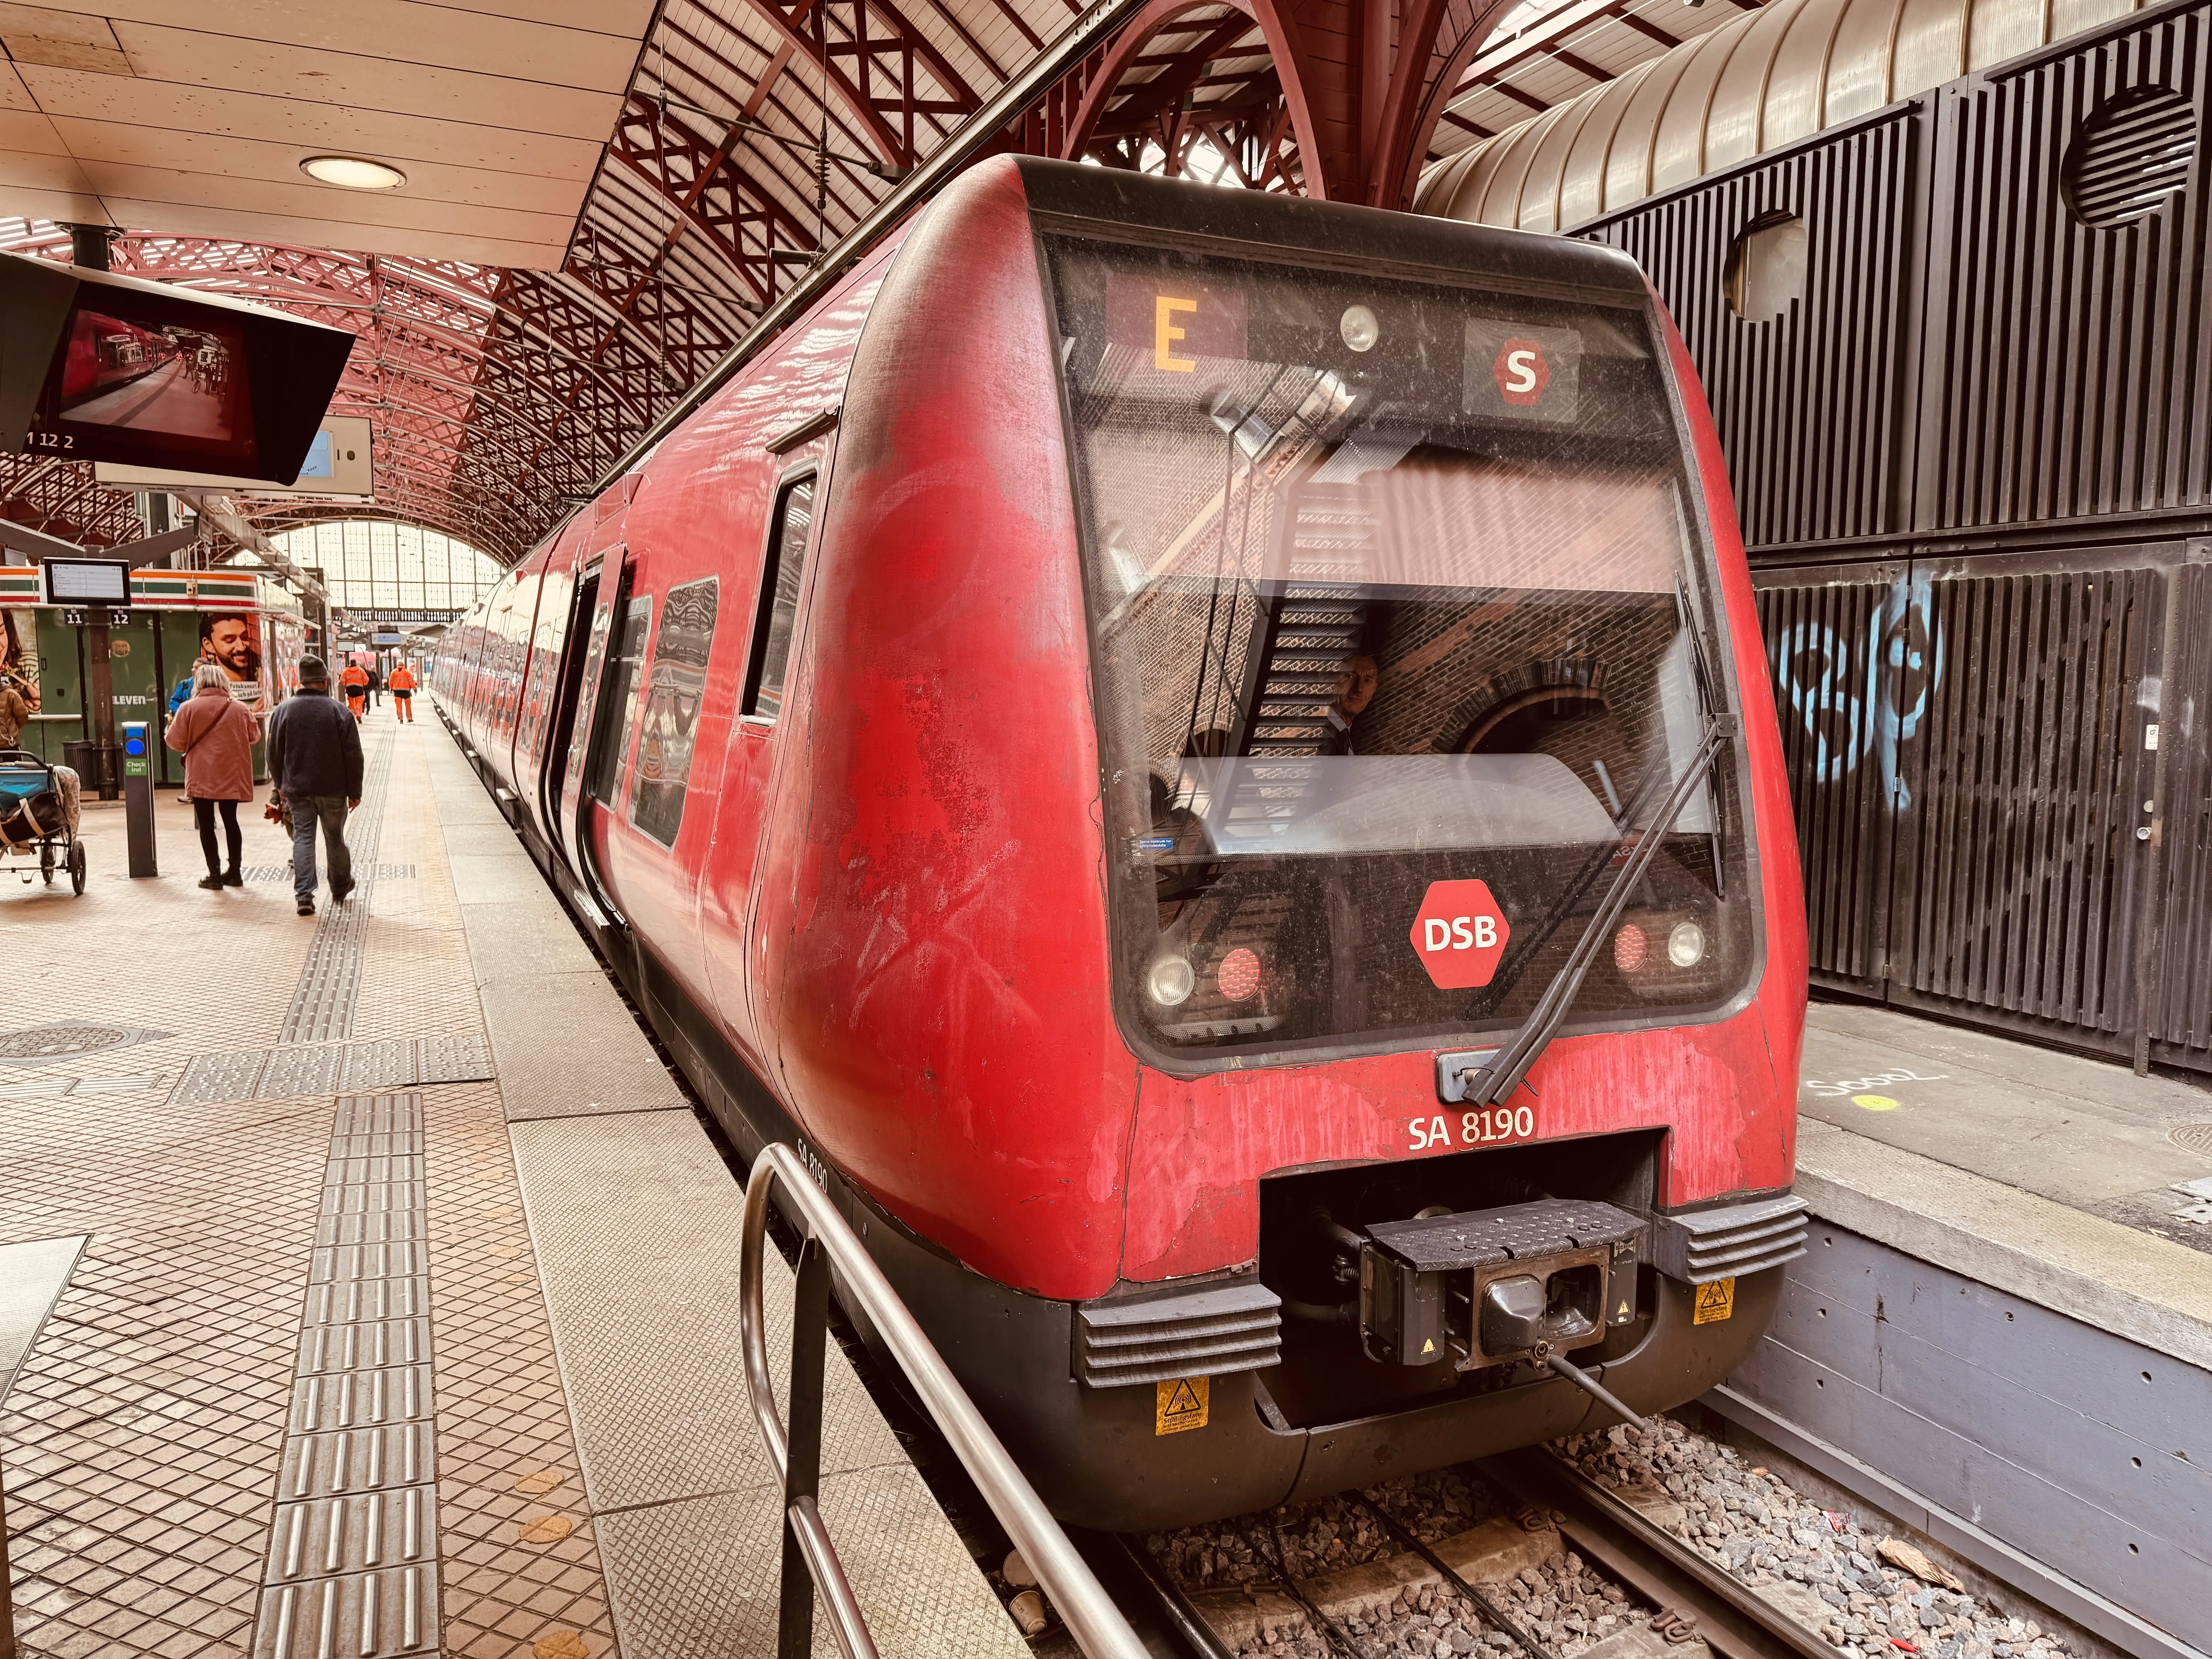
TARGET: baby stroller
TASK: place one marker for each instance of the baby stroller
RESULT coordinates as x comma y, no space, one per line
38,815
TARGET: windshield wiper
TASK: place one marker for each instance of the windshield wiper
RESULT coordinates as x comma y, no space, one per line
1511,1062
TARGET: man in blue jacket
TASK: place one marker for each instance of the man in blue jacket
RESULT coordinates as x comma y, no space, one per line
314,756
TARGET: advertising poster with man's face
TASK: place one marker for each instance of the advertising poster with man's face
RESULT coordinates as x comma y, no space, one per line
232,640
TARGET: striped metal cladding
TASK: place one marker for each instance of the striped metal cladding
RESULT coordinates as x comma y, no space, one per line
2018,876
1823,641
2179,990
2065,366
1811,405
1707,1245
1204,1333
1970,462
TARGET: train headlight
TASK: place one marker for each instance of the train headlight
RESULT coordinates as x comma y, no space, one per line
1359,328
1630,948
1170,981
1685,945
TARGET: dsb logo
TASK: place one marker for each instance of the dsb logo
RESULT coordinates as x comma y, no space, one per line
1459,933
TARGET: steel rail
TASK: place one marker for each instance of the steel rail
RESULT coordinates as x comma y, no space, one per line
1491,1610
1086,36
1183,1617
1091,1618
1734,1620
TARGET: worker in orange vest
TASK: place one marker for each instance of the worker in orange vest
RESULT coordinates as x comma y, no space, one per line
354,681
402,687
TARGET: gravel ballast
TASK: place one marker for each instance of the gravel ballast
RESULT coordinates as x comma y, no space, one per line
1818,1565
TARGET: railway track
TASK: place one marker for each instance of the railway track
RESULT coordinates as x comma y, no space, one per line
1686,1600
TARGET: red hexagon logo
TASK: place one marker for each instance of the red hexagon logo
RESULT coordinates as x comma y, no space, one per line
1521,371
1459,933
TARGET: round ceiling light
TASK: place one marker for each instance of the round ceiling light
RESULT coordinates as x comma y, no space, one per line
352,172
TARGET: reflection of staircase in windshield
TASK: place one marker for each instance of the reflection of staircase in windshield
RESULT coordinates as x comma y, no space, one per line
1299,658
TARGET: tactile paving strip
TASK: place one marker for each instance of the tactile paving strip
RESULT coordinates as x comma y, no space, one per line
282,872
208,1079
352,1551
329,981
451,1059
322,1068
302,1071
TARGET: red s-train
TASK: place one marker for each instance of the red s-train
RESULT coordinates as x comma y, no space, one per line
1125,732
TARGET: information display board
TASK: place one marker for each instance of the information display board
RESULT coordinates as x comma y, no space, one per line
87,581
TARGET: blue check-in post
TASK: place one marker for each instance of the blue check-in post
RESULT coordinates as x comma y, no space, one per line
139,795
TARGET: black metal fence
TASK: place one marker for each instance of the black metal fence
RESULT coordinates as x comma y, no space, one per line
1973,462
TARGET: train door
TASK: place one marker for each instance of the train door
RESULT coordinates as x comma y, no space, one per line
573,644
614,731
610,593
727,894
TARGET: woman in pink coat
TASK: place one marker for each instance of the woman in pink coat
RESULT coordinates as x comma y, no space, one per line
216,732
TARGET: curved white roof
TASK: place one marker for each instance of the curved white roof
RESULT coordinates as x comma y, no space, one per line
1756,82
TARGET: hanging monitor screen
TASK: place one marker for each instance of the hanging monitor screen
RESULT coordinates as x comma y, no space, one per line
100,368
183,383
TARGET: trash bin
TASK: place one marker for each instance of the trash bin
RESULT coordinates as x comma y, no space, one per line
97,765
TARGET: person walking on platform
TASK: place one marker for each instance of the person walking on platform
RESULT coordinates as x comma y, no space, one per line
354,681
215,733
314,756
402,687
376,687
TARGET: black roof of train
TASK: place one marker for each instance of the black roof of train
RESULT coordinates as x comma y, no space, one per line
1338,230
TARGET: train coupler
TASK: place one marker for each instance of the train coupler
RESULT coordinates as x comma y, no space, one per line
1489,1287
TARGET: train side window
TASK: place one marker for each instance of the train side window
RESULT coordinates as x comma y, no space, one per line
674,694
618,713
779,599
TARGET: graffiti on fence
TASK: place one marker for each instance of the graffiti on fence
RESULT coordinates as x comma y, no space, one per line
1869,696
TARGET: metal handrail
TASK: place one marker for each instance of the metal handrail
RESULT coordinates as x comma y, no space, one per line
1092,1618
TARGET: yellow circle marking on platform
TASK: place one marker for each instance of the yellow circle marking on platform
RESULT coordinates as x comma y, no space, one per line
560,1644
540,1480
1874,1102
546,1528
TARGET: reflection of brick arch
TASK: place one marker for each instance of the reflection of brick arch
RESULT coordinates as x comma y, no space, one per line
1475,731
1576,676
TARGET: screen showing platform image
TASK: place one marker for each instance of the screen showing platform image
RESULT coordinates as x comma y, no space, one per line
177,382
148,381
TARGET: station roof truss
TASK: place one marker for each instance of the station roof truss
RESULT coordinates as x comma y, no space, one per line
754,134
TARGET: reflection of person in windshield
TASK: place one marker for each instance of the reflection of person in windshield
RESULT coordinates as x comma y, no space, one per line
1355,690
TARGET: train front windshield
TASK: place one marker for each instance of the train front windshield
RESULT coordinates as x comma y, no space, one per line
1402,631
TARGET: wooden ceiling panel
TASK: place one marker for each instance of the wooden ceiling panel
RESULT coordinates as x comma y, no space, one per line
398,31
233,64
213,163
307,127
300,230
304,198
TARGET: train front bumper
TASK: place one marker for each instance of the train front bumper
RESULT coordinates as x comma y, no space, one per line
1155,1451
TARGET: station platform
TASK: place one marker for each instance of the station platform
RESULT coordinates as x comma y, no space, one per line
369,1286
2002,1335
